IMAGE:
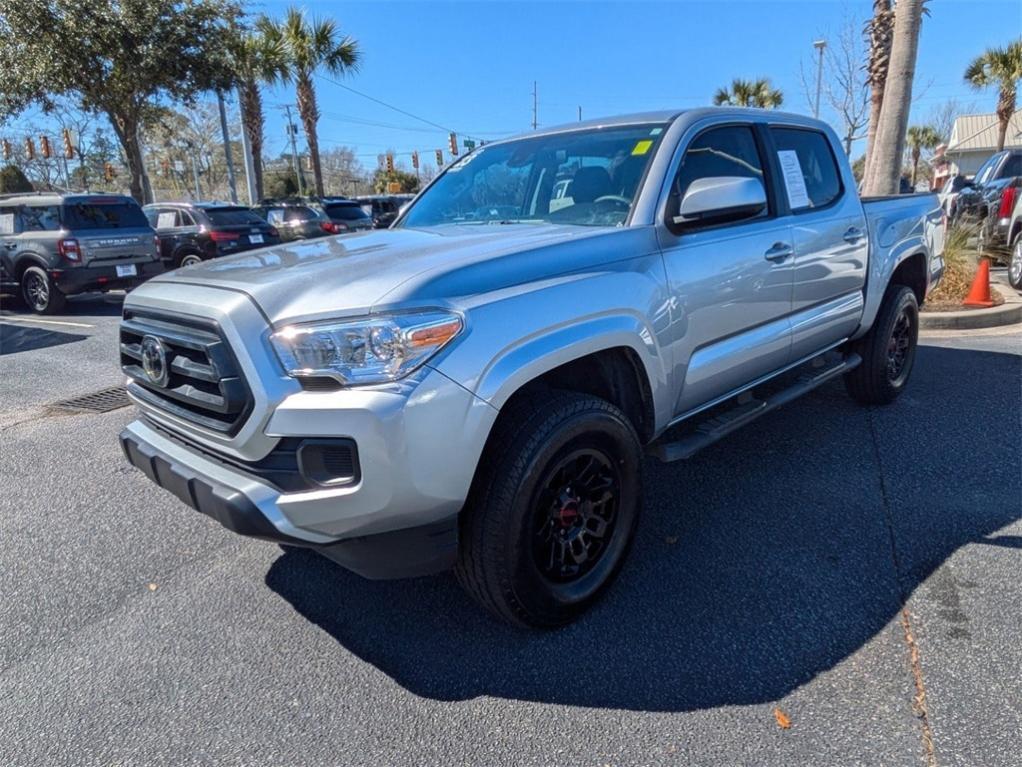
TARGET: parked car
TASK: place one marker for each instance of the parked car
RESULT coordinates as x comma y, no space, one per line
191,232
347,215
55,245
297,220
404,402
1015,244
383,208
948,195
988,203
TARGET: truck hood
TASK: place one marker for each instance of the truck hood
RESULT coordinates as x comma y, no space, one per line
350,274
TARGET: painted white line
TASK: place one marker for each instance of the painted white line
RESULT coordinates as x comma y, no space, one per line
6,318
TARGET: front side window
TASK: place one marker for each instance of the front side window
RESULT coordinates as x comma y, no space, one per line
816,161
586,177
300,213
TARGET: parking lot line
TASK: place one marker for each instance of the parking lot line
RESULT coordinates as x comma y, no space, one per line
8,318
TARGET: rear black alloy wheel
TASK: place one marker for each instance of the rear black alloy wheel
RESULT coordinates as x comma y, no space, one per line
553,509
39,292
888,350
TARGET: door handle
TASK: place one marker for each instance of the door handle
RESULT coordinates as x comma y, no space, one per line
779,251
853,235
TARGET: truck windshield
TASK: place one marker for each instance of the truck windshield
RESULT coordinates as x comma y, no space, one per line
588,177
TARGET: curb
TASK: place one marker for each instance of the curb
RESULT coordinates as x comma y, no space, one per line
1008,313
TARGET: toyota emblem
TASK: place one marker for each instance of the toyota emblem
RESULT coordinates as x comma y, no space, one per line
154,360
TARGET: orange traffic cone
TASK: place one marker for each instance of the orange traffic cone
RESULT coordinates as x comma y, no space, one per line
979,293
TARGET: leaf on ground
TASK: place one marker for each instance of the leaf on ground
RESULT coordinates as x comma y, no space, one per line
782,719
152,587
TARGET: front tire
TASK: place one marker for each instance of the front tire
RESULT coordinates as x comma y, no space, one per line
888,350
1015,264
39,292
553,510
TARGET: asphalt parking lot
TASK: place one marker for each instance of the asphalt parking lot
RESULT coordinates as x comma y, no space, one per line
857,570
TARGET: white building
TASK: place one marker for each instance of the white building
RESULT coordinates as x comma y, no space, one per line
974,139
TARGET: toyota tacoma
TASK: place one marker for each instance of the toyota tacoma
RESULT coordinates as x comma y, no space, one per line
477,386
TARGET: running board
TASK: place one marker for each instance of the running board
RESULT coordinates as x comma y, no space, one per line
718,427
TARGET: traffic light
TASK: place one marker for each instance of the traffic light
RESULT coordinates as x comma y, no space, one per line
390,163
415,160
7,149
29,148
440,158
454,145
69,149
44,147
470,144
108,171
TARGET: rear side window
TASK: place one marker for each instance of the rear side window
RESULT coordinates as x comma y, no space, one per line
349,212
300,213
105,215
41,219
817,163
232,216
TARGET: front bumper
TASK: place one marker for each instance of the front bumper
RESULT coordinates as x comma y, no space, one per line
244,508
81,279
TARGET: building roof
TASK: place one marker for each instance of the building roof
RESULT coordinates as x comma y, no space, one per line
978,133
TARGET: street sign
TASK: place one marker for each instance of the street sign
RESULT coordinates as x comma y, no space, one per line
394,187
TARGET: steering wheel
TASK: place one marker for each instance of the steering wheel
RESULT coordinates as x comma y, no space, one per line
614,198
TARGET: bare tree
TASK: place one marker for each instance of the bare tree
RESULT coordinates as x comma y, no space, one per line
942,116
844,82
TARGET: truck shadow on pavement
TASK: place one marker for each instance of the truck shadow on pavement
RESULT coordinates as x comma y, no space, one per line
764,561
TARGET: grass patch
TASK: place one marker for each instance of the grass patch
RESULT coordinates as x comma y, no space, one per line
960,263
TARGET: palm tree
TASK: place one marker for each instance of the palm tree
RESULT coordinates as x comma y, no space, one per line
879,30
1001,67
311,45
920,137
257,57
749,93
889,143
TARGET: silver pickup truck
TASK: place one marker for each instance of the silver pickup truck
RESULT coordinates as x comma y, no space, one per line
477,386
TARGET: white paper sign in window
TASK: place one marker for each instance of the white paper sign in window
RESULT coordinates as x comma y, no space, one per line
794,181
166,220
6,223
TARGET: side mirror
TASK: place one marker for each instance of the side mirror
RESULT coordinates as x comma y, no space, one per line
719,199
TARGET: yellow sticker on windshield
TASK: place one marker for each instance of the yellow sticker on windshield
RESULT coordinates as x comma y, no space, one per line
642,147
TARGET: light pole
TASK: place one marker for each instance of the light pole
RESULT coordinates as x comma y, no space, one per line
819,45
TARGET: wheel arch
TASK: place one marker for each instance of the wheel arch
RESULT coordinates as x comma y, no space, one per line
23,261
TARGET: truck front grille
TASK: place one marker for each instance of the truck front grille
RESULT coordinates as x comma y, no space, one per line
203,382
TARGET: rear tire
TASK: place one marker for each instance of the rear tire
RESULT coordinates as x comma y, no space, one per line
888,350
189,259
1015,264
553,510
39,292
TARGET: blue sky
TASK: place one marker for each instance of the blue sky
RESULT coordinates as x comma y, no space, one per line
470,65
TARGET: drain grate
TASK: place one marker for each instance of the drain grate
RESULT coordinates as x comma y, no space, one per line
102,401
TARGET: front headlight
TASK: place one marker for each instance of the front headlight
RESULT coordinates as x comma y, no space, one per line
364,351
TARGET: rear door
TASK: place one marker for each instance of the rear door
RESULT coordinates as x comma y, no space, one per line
730,282
109,229
829,230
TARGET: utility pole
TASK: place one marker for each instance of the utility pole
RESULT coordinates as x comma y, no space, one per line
291,130
535,104
231,184
246,150
819,45
580,113
195,169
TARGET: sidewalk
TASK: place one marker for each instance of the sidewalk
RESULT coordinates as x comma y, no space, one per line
1008,313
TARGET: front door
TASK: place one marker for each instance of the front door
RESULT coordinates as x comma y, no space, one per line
731,282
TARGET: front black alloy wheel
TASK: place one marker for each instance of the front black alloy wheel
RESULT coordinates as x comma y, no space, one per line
553,510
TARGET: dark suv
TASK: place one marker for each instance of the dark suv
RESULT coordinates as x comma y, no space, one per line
988,202
383,208
195,231
296,220
54,245
347,215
